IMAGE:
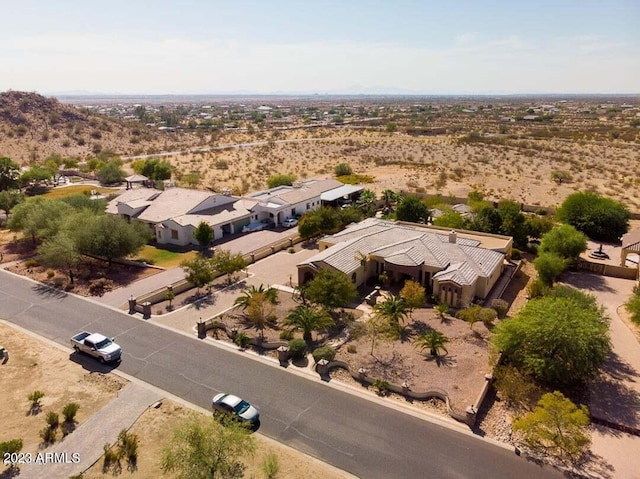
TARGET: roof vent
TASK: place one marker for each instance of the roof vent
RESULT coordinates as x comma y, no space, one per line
453,236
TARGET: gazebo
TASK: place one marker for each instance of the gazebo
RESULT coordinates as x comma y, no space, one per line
135,179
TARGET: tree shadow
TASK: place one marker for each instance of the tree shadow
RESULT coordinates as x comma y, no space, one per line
587,281
200,301
11,472
445,361
615,402
48,291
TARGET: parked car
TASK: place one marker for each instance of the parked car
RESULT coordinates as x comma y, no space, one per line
253,227
235,407
290,222
100,347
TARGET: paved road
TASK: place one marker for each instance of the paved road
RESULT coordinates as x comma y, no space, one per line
352,433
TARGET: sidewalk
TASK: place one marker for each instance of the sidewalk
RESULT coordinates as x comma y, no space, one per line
119,297
90,437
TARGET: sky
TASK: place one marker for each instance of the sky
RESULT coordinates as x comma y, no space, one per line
316,46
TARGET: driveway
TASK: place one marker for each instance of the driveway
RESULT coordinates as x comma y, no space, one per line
616,396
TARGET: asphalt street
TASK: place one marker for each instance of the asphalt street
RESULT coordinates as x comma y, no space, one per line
347,431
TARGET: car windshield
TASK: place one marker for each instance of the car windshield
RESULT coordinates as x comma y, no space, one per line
241,407
103,344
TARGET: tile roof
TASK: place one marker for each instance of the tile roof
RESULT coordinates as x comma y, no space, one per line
131,196
174,202
289,195
463,261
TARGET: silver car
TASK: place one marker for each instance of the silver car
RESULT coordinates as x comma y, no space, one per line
236,407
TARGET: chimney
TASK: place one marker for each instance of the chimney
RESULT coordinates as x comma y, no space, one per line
453,236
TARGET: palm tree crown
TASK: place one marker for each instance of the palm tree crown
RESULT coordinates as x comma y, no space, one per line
308,319
394,309
432,339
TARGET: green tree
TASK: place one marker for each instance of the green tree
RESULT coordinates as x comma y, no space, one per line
330,289
560,341
515,388
342,169
367,201
153,168
413,294
549,266
261,311
203,448
394,309
84,202
486,219
537,225
378,328
412,208
450,219
433,340
9,174
60,252
512,222
244,300
198,272
203,234
39,217
564,241
227,263
633,306
561,176
110,173
389,197
111,237
308,319
556,427
9,199
309,226
280,180
601,219
35,173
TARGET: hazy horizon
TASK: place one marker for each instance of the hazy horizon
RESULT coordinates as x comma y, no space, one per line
279,47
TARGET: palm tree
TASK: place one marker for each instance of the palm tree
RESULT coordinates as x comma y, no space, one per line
432,339
244,300
261,311
389,197
307,319
394,309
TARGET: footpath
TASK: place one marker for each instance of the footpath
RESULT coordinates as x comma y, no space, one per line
87,440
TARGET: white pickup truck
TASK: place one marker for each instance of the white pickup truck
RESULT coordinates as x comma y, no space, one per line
96,345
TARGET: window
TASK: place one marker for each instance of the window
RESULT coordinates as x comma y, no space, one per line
308,206
174,234
293,211
353,278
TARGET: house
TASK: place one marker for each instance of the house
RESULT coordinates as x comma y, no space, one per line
455,266
276,204
175,213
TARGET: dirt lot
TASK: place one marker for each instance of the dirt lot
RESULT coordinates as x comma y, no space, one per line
34,365
154,431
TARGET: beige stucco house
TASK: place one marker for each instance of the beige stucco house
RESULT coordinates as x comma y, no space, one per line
456,266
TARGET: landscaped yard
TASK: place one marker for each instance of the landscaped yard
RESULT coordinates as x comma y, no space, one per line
163,257
61,192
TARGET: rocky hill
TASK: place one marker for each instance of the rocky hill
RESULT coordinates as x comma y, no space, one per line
33,127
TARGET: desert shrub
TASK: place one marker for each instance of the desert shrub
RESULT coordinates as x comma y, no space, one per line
222,165
53,420
381,386
500,306
128,446
31,263
99,286
50,273
69,411
48,435
516,388
58,282
10,447
352,349
297,348
111,459
516,254
342,169
242,340
291,250
270,466
286,335
325,352
35,398
537,289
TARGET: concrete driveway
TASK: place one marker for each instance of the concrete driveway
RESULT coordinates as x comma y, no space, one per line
615,397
